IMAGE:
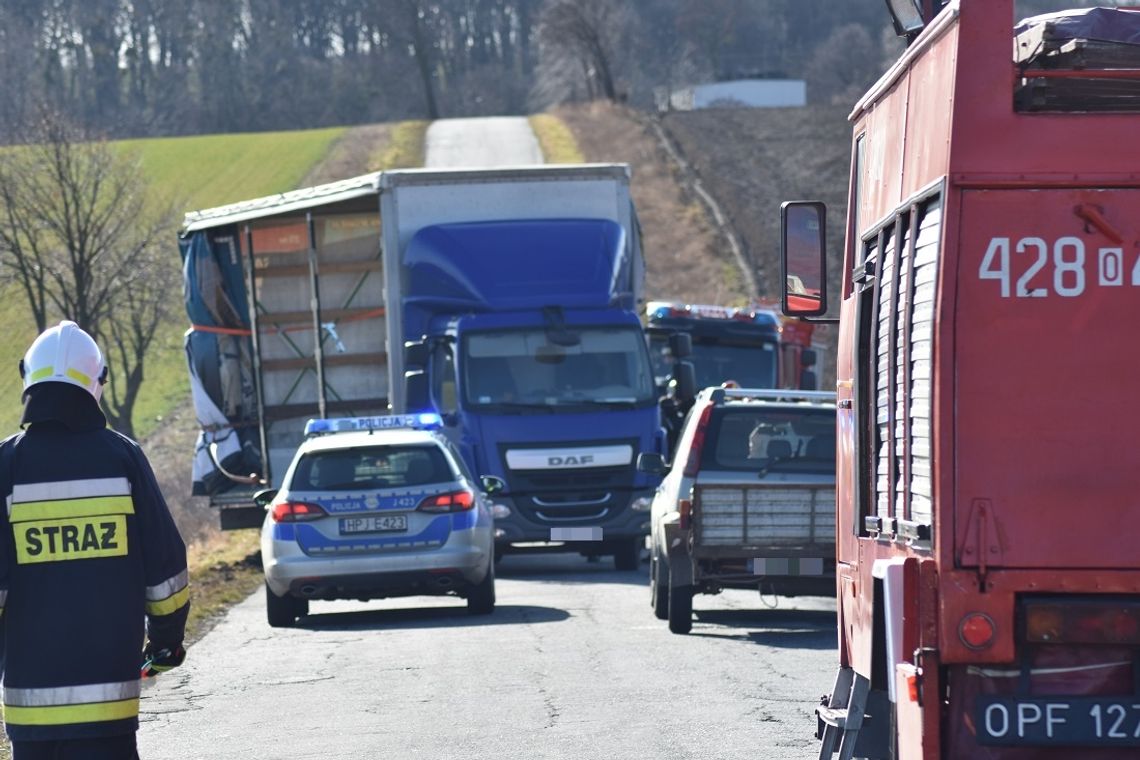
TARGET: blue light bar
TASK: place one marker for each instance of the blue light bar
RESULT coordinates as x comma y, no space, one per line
421,421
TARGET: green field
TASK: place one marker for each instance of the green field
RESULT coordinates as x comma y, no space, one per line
193,173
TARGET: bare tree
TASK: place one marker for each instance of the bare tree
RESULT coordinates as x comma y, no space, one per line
580,42
80,239
843,65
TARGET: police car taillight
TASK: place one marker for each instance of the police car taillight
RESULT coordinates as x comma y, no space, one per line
455,501
296,511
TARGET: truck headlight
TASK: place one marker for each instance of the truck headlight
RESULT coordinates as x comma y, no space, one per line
642,504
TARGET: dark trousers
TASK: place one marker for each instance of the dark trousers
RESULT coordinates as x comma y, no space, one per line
121,747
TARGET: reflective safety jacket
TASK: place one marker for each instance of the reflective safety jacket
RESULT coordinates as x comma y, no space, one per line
88,551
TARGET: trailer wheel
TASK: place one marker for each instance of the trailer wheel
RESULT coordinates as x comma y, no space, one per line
627,554
283,611
658,587
680,612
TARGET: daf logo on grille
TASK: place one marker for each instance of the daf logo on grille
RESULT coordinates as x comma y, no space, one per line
570,461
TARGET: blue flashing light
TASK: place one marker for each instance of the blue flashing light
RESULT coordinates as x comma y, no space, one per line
421,421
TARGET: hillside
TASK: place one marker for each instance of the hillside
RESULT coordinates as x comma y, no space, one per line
749,161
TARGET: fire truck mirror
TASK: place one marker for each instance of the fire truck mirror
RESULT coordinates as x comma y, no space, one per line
803,229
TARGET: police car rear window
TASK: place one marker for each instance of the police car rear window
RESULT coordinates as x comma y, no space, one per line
772,440
371,467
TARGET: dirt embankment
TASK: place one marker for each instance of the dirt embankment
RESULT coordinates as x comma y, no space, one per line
684,256
752,160
749,160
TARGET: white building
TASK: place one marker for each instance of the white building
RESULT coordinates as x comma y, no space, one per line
740,93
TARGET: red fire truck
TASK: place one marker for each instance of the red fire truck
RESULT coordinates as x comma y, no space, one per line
988,473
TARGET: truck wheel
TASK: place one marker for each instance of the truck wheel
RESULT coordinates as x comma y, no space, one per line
627,556
658,587
283,611
481,597
680,612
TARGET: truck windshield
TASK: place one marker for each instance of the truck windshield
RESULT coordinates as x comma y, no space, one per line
778,439
532,369
751,366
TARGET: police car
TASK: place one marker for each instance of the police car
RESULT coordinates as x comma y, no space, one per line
375,507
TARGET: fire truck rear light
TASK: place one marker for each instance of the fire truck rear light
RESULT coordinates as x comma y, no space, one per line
912,687
1082,622
976,630
296,511
685,507
455,501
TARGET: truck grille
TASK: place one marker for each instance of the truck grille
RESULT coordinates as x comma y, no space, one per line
586,494
765,516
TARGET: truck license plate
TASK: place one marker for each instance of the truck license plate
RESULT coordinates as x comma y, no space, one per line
1053,721
373,524
576,534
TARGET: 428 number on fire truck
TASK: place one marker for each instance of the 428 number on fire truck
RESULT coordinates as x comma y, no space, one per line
1066,259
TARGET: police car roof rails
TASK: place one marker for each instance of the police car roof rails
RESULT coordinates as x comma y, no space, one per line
419,421
772,394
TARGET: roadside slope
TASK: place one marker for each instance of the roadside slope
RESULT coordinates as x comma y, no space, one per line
684,256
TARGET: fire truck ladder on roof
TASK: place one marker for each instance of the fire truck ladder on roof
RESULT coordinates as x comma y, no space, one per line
842,717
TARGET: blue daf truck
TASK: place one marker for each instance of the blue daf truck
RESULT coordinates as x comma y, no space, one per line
506,300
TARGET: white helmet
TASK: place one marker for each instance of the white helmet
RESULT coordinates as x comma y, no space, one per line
65,354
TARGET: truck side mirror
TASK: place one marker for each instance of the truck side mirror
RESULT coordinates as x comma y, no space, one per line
681,345
491,484
803,258
415,353
686,376
417,397
651,463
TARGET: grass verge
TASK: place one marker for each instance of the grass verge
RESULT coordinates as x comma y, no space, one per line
556,140
224,570
405,149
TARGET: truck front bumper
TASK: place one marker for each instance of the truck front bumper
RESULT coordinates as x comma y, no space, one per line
578,534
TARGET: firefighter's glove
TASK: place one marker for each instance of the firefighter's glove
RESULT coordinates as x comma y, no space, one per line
158,660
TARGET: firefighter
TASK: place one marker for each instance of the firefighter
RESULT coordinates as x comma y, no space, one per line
88,551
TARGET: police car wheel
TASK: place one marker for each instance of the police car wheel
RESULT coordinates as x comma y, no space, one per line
283,611
627,555
481,596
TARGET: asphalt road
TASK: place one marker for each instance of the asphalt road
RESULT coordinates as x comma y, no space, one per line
572,664
489,141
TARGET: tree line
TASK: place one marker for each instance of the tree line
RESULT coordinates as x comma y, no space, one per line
160,67
164,67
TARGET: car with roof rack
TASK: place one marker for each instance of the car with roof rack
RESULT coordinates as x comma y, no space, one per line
376,507
749,501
